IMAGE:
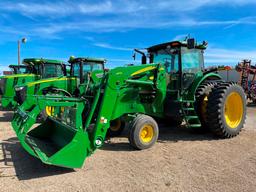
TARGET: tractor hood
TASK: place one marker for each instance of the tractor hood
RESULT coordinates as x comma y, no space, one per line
41,87
17,76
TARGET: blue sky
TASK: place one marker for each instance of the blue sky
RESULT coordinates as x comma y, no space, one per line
111,28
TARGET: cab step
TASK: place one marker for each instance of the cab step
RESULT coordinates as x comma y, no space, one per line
191,118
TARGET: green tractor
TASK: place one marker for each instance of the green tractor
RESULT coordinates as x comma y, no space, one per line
20,69
174,86
38,69
80,77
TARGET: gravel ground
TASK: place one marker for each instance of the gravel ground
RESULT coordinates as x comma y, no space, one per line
180,161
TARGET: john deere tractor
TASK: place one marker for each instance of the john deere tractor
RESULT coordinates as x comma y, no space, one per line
20,69
174,86
38,68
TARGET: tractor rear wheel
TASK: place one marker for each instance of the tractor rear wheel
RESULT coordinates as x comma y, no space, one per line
202,95
226,110
143,132
116,128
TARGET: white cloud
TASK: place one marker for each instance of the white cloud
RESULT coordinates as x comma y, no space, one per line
68,7
118,15
124,24
107,46
227,56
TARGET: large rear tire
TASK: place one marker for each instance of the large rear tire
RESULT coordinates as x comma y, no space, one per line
143,132
226,110
202,95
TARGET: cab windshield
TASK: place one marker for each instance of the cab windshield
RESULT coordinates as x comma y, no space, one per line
191,59
52,70
169,58
24,70
20,70
87,68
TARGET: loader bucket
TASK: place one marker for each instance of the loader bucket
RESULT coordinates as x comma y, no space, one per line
52,141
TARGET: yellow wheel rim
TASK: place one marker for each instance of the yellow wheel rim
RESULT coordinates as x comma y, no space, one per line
49,110
204,107
116,125
234,110
147,133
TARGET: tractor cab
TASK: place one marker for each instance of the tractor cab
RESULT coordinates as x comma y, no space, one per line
20,69
183,60
88,71
46,68
87,68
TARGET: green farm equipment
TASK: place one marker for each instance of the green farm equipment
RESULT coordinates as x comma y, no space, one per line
81,76
38,68
20,69
174,87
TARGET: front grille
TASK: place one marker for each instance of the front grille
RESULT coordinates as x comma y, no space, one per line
21,95
2,85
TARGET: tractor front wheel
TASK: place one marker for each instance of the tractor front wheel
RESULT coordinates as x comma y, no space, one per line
226,110
143,132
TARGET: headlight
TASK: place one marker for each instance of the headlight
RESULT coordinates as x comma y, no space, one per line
19,88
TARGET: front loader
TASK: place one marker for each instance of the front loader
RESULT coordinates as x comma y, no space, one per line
174,86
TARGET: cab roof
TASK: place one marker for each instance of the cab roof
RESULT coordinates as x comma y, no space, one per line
87,59
38,61
174,44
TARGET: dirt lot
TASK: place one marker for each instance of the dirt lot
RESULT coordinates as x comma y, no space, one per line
180,161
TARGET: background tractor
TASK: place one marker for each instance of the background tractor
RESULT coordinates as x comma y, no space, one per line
174,86
17,69
38,68
20,69
76,83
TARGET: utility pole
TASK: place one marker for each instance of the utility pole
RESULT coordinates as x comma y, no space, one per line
23,40
18,52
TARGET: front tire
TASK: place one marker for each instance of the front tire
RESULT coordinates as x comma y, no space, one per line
226,110
143,132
